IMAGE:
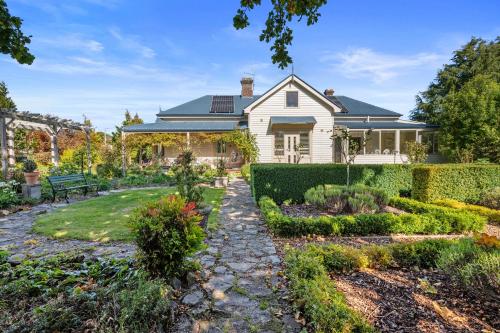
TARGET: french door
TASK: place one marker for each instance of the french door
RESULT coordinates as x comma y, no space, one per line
292,142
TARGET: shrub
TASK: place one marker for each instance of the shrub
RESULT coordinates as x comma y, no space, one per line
8,194
493,215
463,182
67,293
491,198
315,295
326,196
352,199
471,264
474,263
166,233
340,259
420,254
457,220
424,222
29,166
361,203
221,167
274,180
186,177
245,172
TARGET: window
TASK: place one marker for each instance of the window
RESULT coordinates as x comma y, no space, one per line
304,143
279,141
221,147
292,99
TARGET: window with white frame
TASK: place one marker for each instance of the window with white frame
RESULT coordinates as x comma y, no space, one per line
304,143
279,141
292,99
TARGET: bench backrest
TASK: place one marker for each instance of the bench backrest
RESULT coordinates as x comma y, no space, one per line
63,181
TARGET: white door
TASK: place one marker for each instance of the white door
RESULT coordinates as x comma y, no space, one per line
292,142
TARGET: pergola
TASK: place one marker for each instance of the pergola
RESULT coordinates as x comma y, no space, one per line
11,120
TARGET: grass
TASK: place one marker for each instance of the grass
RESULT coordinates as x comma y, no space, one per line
105,218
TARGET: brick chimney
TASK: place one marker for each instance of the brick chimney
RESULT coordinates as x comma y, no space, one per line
247,87
329,92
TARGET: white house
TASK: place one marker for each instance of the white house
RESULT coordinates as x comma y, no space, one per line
292,122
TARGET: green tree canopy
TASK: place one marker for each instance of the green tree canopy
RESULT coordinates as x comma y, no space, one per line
5,101
470,120
12,39
277,23
476,57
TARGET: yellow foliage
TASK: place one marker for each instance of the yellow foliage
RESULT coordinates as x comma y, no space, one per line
492,215
486,240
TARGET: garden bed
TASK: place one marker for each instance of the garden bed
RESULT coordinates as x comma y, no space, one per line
409,300
395,287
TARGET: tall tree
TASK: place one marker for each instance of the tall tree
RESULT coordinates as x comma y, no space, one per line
5,101
476,57
470,120
277,24
12,39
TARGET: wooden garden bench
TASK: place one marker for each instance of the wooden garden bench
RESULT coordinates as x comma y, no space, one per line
67,183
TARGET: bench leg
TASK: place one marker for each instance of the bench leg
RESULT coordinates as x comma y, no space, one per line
66,196
53,196
85,191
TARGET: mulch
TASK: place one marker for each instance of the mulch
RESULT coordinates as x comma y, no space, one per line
408,300
418,301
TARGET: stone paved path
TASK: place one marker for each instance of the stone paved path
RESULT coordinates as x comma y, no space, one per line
241,291
17,238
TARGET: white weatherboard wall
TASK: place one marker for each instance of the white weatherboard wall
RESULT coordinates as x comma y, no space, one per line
309,105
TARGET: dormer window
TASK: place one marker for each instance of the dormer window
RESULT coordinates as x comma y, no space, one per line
292,99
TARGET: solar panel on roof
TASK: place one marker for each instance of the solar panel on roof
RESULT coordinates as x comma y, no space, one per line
222,104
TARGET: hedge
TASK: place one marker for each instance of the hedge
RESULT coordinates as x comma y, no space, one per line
493,215
463,182
290,181
457,219
438,221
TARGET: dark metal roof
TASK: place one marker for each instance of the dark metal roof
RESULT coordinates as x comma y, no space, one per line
382,125
187,126
204,106
292,120
353,107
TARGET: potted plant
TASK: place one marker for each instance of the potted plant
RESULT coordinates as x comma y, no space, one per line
221,179
31,175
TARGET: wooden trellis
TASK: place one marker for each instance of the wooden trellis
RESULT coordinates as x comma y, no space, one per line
11,120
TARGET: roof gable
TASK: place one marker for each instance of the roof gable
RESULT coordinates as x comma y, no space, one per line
295,79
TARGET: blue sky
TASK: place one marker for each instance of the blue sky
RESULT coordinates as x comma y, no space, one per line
100,57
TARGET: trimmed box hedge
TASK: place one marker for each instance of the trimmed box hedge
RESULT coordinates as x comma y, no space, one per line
462,182
290,181
493,215
440,220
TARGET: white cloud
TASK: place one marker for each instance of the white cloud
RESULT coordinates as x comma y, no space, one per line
379,67
132,43
87,66
73,42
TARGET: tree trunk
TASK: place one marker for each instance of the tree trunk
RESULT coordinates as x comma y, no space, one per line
348,174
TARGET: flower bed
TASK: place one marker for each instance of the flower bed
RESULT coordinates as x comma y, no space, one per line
436,220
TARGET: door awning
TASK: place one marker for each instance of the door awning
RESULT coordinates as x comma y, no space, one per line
279,120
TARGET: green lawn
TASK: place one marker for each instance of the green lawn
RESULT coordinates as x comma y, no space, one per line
105,218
